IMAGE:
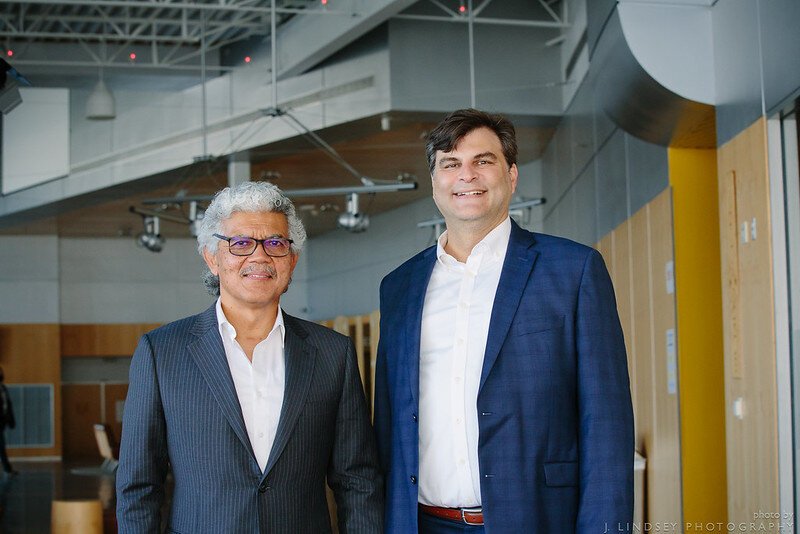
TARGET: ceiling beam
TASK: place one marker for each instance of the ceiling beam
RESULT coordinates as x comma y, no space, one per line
144,4
305,40
487,20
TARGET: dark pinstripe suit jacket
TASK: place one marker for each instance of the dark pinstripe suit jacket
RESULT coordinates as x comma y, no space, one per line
182,412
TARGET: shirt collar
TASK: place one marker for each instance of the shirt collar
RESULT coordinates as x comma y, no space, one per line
225,327
496,242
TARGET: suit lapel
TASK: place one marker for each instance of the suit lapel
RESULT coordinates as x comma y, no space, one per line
418,280
208,353
517,268
300,359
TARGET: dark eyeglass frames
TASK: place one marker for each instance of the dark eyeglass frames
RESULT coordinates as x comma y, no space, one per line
277,247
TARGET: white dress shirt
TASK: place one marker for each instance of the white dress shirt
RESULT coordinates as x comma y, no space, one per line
455,326
259,384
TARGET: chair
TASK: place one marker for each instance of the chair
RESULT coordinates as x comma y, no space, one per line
101,435
110,463
76,517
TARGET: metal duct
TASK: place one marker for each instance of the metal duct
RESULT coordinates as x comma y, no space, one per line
639,104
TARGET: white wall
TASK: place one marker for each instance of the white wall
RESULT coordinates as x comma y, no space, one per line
114,281
29,279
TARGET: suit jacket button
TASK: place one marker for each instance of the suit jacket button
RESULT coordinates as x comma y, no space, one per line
414,417
263,488
413,480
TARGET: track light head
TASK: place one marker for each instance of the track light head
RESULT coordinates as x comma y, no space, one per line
196,214
151,238
351,220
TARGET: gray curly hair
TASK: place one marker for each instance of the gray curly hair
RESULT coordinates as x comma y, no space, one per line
250,197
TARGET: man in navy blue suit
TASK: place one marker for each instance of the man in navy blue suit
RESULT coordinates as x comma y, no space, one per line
502,399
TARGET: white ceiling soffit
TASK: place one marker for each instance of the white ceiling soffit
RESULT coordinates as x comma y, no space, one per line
643,106
673,42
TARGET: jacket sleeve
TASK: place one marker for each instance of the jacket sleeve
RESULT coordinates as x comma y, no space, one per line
382,411
354,475
143,461
605,414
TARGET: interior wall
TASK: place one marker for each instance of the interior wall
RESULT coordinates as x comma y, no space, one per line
756,62
81,412
594,175
77,302
88,404
514,70
30,354
111,280
748,328
29,271
29,317
637,253
114,281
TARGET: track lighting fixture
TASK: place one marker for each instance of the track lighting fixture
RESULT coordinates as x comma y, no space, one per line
196,214
151,238
352,220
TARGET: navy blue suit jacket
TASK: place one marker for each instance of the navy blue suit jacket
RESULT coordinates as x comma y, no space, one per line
555,446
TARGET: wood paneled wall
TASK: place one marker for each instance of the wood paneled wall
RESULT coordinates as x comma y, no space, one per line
102,339
81,411
748,326
637,254
364,331
90,403
84,405
30,354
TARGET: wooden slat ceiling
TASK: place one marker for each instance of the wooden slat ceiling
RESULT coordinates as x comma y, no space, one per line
291,164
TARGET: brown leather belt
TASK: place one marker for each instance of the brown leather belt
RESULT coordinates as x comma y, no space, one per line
469,516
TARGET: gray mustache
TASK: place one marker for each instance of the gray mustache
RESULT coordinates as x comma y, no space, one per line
259,269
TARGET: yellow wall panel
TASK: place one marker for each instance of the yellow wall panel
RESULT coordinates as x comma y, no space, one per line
693,177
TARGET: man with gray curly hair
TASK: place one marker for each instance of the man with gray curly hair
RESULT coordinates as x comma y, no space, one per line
252,409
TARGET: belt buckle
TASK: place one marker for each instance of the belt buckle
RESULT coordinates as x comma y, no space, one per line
465,511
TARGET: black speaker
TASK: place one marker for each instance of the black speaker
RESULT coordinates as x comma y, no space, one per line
10,81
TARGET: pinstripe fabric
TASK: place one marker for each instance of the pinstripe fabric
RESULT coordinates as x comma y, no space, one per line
182,412
555,420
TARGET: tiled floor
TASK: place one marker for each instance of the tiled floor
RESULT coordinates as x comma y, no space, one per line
25,499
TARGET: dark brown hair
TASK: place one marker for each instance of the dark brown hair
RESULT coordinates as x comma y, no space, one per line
461,122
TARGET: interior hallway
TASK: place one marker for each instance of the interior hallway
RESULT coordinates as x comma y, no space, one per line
25,499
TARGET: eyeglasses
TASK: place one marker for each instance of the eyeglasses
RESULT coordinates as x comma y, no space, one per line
277,247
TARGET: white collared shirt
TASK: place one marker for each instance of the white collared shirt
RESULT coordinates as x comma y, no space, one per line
455,327
259,384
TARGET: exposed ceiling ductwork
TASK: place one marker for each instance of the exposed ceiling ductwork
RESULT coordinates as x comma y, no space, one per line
641,105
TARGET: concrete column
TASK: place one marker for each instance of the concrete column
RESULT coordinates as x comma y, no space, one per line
238,168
